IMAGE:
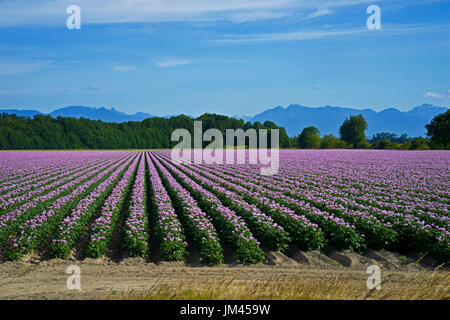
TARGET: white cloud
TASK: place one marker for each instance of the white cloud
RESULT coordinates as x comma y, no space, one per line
318,13
64,92
296,35
45,12
316,34
89,88
119,68
14,67
319,86
172,62
436,95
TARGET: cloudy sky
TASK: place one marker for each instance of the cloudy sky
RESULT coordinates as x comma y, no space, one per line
225,56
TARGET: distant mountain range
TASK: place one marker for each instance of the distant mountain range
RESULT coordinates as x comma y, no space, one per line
294,118
106,115
328,119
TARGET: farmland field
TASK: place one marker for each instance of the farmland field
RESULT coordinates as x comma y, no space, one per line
339,205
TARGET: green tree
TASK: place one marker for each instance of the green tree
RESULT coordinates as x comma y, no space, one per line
309,138
45,132
284,138
353,130
386,144
392,137
331,142
419,144
439,130
384,136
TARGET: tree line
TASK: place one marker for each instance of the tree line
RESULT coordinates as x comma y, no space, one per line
46,132
352,135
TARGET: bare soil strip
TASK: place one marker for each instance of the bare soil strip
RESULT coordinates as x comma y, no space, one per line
319,276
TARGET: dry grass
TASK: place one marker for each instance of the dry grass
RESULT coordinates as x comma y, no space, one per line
396,286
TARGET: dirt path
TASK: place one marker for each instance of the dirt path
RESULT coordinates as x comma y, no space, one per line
38,279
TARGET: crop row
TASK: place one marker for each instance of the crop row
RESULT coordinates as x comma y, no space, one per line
137,202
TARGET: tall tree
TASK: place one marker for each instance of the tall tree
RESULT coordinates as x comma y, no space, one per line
353,131
309,138
439,129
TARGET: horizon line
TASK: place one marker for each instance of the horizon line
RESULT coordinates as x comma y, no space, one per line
232,116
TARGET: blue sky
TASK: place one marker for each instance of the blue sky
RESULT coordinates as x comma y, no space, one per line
231,57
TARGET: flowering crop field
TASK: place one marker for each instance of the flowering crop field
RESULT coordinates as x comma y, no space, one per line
55,202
